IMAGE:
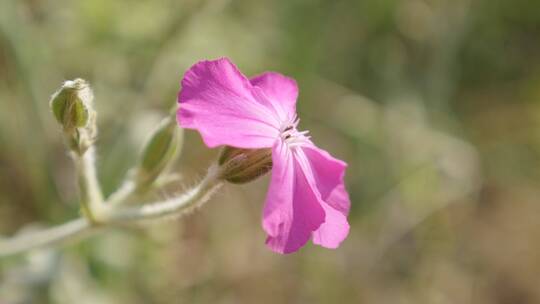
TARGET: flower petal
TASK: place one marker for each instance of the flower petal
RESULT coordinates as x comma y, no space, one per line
329,173
293,209
280,89
218,101
335,227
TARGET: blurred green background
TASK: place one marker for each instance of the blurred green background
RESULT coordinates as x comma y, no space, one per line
435,105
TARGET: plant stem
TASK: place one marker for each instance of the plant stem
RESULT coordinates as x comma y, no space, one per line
90,191
182,204
123,193
81,227
47,237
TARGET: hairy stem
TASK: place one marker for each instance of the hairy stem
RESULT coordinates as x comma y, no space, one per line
114,216
90,191
48,237
184,203
122,194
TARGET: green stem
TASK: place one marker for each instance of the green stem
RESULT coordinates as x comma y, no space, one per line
47,237
114,216
90,192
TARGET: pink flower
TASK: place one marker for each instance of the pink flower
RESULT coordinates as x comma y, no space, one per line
307,196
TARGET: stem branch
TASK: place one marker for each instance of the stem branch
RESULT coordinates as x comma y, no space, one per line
48,237
81,227
179,205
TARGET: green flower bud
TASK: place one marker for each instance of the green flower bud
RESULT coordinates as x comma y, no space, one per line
72,104
239,166
161,150
72,107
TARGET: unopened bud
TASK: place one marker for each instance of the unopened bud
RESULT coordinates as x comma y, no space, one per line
161,150
72,107
72,104
240,166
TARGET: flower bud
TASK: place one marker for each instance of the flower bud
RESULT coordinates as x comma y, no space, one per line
161,150
72,104
72,107
240,166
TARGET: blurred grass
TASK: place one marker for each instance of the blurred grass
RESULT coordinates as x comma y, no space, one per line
433,103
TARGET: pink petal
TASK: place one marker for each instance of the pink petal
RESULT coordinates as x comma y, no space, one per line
335,227
293,209
279,89
219,102
329,173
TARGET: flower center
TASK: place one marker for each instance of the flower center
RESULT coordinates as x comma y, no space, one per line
290,134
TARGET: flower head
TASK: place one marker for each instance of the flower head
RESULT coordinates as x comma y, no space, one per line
307,198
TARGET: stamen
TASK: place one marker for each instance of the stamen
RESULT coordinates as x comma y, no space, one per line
290,135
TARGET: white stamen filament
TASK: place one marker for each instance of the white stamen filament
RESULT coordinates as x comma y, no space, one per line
290,134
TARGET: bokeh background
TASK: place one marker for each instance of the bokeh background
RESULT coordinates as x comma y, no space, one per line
435,105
